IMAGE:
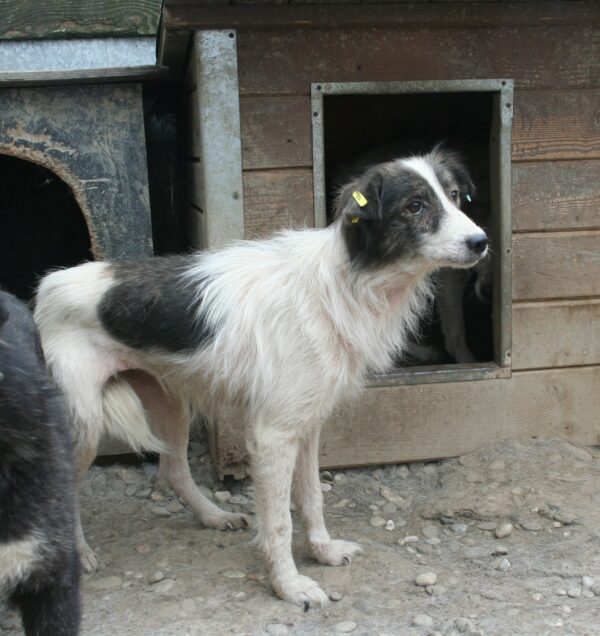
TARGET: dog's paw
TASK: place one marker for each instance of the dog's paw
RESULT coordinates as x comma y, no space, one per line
299,590
335,552
226,521
88,558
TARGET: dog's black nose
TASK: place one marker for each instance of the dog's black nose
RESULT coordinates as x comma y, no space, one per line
477,243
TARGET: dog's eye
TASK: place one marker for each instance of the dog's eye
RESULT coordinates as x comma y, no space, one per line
454,195
414,207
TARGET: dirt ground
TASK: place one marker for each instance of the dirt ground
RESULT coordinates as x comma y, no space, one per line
164,575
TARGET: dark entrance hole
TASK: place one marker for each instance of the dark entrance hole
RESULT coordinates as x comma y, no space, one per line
41,226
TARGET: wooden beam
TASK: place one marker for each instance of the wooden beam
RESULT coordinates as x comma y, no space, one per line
83,76
186,15
556,195
552,265
32,19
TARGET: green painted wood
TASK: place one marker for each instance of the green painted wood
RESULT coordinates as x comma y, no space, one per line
34,19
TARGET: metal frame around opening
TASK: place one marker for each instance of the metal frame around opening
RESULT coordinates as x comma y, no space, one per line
500,180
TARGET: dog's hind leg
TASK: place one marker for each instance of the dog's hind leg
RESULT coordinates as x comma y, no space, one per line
273,457
309,503
170,419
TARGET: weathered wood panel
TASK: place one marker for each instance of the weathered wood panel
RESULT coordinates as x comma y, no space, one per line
274,200
407,423
556,125
281,61
276,132
397,424
31,19
556,265
556,334
556,195
547,125
183,14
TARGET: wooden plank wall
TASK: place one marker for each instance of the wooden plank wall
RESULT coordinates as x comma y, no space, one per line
552,52
556,214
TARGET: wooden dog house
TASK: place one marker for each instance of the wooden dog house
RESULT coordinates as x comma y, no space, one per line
254,79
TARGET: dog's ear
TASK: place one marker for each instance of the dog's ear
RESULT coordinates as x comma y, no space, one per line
361,200
453,162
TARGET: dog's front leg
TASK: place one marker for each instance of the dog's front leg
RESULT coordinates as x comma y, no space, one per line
309,502
273,458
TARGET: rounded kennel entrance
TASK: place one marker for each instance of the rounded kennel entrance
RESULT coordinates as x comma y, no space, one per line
41,225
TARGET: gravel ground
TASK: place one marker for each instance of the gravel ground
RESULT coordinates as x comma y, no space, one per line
505,540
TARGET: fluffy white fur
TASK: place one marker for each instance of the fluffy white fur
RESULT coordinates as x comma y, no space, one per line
296,327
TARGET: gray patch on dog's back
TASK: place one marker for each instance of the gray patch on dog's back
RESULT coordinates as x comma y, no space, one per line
151,307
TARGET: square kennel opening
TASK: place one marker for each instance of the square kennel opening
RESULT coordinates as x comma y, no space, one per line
355,124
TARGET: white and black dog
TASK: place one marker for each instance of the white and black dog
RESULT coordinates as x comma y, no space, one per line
283,330
39,564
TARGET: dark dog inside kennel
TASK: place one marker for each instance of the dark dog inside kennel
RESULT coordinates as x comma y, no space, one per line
41,226
361,130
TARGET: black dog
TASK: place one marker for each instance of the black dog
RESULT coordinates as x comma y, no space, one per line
39,563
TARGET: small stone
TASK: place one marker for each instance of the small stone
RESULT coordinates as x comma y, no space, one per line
325,487
160,511
587,582
130,490
536,596
377,521
240,596
345,627
433,541
566,609
234,574
105,583
162,587
335,596
422,620
389,508
500,550
486,525
431,531
596,589
459,528
587,594
392,497
340,478
327,475
342,503
503,530
156,577
143,493
277,629
530,526
518,491
403,472
156,496
222,496
574,592
561,592
144,548
411,538
463,625
189,606
389,525
502,564
426,578
373,507
498,464
174,507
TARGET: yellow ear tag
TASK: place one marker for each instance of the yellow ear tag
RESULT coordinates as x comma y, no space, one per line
360,199
355,219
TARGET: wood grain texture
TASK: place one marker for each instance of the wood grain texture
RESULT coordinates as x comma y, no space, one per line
556,265
550,125
31,19
276,132
441,420
283,61
275,200
556,195
194,14
408,423
86,76
556,334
